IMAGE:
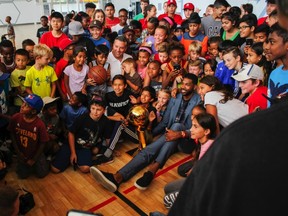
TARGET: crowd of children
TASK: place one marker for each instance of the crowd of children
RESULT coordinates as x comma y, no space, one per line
58,115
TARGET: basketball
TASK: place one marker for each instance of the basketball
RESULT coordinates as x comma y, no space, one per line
98,74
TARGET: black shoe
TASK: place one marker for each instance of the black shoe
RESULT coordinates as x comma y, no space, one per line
143,182
105,179
103,160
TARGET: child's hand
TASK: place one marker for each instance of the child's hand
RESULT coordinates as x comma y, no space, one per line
179,79
174,93
175,72
159,106
73,158
91,82
133,100
152,116
84,91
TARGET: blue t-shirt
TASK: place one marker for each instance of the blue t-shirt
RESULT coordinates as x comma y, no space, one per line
277,83
69,114
224,75
101,40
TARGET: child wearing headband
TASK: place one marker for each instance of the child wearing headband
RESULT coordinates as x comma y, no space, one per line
143,60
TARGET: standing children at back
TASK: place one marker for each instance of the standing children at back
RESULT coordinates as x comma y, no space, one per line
213,44
75,74
278,44
7,52
44,28
176,66
28,45
41,78
18,76
134,80
10,31
195,34
143,60
67,49
96,31
53,37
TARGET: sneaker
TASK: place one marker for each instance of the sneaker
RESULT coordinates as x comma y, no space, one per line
105,179
143,182
103,160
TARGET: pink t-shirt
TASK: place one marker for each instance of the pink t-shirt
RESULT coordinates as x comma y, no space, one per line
204,148
141,71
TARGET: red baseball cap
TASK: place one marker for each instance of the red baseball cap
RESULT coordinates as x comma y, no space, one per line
169,2
188,6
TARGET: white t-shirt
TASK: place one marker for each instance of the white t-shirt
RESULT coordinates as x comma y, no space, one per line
76,78
115,64
227,112
116,28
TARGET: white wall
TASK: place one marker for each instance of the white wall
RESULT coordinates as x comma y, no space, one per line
29,11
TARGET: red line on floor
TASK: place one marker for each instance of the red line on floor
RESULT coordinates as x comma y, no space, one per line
106,202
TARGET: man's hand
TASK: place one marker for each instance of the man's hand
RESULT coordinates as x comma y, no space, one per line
172,135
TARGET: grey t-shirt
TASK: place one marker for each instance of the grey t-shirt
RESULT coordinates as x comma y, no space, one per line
210,26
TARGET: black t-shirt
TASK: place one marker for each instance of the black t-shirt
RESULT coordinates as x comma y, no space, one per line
88,132
41,31
119,104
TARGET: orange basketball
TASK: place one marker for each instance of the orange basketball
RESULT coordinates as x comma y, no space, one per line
98,74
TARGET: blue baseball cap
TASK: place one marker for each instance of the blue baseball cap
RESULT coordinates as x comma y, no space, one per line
34,101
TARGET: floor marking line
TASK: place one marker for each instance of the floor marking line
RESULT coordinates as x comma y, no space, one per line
132,188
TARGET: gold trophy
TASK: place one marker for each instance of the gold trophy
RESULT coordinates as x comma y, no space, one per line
138,116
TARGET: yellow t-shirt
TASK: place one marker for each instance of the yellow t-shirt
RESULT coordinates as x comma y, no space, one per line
17,79
40,81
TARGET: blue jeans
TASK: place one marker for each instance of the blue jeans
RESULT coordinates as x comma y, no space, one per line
158,151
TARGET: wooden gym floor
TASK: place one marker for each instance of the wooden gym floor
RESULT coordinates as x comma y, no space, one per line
57,193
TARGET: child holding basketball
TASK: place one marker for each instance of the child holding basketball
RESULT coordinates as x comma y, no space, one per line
100,55
98,75
75,74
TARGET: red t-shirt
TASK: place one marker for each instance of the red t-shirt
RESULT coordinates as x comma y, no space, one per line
257,99
112,22
177,18
51,41
144,22
59,68
261,20
28,135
